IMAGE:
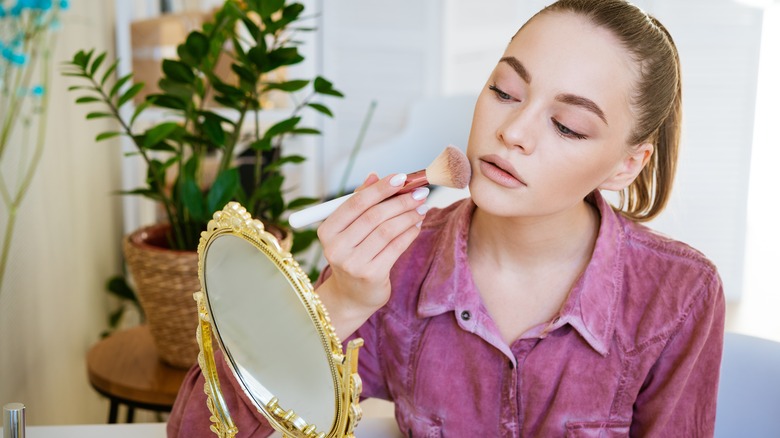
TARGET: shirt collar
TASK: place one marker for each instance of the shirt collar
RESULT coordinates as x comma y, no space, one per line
591,305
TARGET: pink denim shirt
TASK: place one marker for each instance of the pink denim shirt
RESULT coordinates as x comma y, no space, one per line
634,351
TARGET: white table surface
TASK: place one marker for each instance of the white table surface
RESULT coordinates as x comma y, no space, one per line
367,428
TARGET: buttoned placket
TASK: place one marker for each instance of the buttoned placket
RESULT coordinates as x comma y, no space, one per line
512,412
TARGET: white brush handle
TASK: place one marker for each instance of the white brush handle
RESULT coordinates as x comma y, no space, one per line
317,213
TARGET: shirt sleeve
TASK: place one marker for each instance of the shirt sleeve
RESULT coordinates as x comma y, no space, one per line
191,418
679,395
369,364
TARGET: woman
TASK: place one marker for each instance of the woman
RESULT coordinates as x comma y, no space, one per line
535,308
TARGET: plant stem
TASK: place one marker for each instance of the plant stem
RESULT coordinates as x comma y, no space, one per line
13,206
355,149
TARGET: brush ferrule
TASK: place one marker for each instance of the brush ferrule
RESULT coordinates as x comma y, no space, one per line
414,180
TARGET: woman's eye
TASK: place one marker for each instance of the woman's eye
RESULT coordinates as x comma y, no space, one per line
500,94
563,131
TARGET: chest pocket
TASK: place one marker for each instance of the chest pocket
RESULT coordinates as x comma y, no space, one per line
597,429
417,425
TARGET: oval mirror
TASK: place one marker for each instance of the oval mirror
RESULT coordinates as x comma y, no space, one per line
262,310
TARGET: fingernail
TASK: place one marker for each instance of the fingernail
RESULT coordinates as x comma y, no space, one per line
419,224
398,179
420,193
421,210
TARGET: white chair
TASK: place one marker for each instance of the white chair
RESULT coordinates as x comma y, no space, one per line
749,390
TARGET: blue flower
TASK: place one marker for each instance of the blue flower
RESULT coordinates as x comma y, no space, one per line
17,58
64,5
37,90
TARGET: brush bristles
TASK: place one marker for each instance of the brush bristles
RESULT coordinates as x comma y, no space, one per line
451,169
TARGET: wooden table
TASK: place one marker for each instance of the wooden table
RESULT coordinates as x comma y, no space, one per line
125,368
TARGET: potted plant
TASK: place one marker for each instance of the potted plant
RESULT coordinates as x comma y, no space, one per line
192,151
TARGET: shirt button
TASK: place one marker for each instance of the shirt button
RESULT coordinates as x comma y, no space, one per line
465,315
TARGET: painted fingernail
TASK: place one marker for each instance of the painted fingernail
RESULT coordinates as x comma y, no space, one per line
421,210
419,224
420,193
397,180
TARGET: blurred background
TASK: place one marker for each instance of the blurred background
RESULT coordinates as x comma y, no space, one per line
422,63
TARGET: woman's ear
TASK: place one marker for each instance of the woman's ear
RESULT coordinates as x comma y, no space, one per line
629,168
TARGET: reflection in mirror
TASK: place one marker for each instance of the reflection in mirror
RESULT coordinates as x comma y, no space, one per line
266,331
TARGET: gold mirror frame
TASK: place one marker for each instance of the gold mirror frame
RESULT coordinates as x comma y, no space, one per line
235,220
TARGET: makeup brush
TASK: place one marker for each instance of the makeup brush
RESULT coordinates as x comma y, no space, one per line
451,169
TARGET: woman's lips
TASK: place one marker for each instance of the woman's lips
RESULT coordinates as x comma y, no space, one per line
500,171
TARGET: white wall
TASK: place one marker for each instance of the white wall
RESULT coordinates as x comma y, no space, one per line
53,304
386,54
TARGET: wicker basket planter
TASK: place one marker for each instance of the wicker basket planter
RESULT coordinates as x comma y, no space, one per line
165,281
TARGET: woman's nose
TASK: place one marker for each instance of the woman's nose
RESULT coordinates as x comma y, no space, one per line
516,132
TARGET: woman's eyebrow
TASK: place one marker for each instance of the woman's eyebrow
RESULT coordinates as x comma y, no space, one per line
582,102
569,99
518,67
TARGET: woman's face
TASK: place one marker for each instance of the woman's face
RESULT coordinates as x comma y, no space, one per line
552,122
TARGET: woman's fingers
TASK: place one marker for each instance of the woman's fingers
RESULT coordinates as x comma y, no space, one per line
370,179
362,200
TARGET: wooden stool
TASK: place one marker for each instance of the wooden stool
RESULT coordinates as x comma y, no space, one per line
125,368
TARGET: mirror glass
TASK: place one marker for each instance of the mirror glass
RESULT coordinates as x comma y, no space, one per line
267,332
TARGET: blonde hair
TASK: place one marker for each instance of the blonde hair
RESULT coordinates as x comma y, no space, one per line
656,101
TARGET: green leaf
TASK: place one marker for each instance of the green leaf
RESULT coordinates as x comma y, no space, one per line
87,99
252,28
109,72
266,8
214,131
82,87
162,147
148,193
306,131
76,75
259,57
80,59
292,12
263,144
192,198
223,190
158,133
292,159
96,63
166,101
323,86
228,102
106,135
289,86
129,94
119,84
283,56
301,202
178,71
321,108
303,239
198,44
244,73
118,287
227,89
98,115
139,109
285,125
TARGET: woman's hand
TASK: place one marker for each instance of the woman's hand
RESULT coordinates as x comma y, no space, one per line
361,241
